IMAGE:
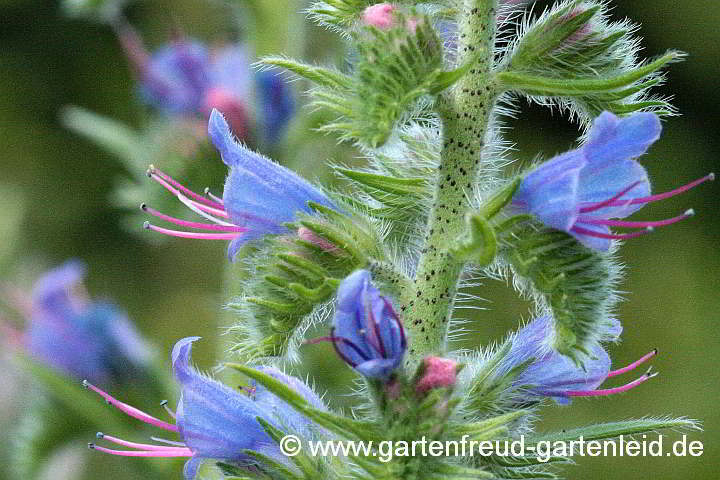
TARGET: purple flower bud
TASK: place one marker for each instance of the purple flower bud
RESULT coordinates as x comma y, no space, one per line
551,374
68,332
367,332
259,196
582,190
215,421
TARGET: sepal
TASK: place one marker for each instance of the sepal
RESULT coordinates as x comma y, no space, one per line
343,426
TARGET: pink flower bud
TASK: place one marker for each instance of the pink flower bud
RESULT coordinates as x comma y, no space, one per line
439,372
308,235
379,15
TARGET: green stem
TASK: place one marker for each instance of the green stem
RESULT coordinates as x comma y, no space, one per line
465,112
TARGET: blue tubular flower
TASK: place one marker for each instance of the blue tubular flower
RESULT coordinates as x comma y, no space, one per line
582,190
276,104
215,421
186,78
554,375
76,336
259,196
367,332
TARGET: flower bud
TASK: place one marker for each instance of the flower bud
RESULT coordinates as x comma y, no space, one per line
367,332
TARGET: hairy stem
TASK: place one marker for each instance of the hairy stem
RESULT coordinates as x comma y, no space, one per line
465,113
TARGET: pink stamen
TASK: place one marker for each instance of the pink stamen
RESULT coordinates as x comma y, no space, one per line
190,203
138,446
154,171
139,453
611,236
129,410
185,223
607,391
610,201
632,224
633,365
193,235
662,196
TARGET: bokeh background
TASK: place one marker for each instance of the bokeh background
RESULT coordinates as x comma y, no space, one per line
55,190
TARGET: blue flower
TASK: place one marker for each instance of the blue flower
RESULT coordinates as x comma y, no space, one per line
82,338
275,103
260,196
367,332
215,421
582,190
185,78
551,374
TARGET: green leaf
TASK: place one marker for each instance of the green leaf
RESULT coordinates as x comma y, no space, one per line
322,76
537,85
615,429
480,246
397,186
114,136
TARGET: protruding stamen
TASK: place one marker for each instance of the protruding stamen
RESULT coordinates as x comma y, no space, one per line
662,196
164,404
608,391
129,410
185,223
184,189
180,452
636,224
633,365
213,197
193,235
138,446
611,236
610,201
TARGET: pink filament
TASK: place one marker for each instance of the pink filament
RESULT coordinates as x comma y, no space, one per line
185,223
632,224
610,201
176,192
633,365
611,236
663,196
193,235
129,410
184,189
169,452
139,446
607,391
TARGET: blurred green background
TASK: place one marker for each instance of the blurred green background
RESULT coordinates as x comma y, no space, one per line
54,190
